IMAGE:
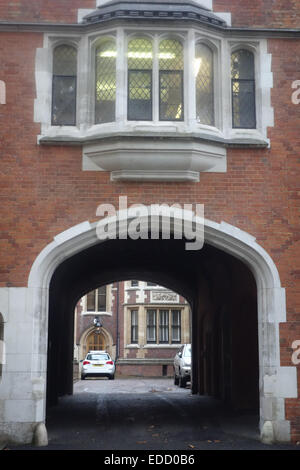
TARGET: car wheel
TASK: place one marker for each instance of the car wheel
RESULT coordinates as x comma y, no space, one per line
182,382
83,377
111,377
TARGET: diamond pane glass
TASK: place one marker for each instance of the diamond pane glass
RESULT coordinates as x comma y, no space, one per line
243,90
139,94
105,102
170,55
65,61
204,85
140,59
64,86
170,80
171,96
243,103
64,101
242,65
140,54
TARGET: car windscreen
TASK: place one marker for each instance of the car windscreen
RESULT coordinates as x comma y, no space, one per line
98,357
188,351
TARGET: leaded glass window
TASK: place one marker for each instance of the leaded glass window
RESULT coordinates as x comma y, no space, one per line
64,86
243,90
170,80
204,73
105,102
140,59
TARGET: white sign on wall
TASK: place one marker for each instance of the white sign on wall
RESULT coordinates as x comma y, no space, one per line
164,297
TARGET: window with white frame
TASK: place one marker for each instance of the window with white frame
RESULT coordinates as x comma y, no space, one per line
64,86
140,60
204,73
105,80
163,326
243,89
134,326
95,301
171,106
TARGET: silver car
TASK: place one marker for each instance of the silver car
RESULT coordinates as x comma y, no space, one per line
98,364
182,365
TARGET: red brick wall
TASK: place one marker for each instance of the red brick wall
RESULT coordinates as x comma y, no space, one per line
261,13
142,370
38,11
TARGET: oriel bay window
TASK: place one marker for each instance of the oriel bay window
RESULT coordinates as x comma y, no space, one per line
105,100
243,90
164,324
64,85
140,76
140,59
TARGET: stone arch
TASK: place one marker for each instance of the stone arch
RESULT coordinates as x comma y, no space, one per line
275,382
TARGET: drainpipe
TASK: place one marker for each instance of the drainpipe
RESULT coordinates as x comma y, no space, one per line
117,323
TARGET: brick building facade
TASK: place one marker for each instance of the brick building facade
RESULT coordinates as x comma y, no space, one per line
143,325
243,165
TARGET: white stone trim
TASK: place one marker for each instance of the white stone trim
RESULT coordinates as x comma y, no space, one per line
224,16
82,12
205,3
162,346
96,314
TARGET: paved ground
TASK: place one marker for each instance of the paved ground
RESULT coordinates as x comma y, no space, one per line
146,414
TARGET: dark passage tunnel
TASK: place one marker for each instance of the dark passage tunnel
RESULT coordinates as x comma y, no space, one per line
220,289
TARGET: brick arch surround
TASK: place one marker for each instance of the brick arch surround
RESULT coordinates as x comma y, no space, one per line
275,382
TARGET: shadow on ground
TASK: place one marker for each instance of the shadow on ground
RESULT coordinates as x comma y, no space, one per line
162,418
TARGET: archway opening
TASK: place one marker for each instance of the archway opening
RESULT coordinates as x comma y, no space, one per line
220,289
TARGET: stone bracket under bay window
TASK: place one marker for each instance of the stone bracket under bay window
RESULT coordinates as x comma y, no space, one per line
155,156
158,158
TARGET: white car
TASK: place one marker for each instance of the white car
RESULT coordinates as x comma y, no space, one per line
182,365
98,364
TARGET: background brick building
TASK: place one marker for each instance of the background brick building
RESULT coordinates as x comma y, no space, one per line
51,189
139,345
